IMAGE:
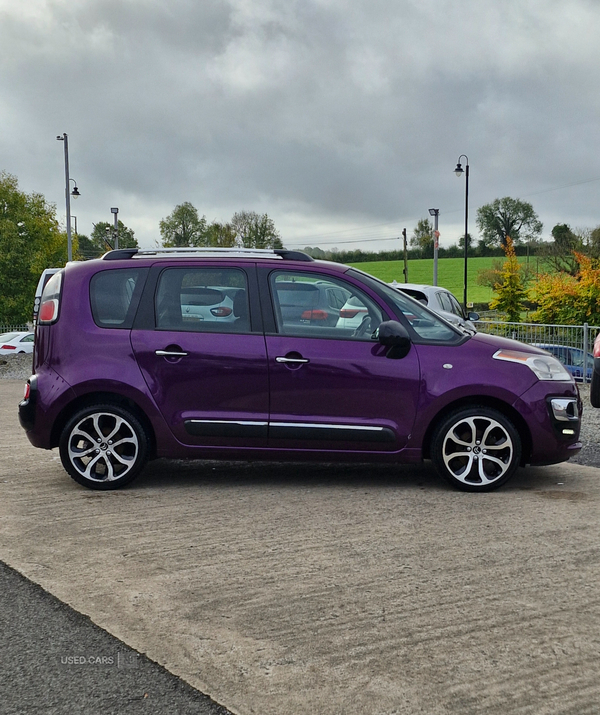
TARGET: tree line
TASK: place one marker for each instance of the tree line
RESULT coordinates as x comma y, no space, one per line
31,240
185,228
568,291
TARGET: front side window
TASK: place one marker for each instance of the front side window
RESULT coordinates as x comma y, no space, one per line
203,300
316,305
426,325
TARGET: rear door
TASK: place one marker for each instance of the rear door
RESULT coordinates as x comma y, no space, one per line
199,343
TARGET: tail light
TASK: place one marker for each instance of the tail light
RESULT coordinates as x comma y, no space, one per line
221,312
314,315
50,302
351,312
7,347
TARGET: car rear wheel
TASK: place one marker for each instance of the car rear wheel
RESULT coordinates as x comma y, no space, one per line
476,449
103,447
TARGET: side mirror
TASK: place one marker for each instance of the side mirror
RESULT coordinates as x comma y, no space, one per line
394,335
473,316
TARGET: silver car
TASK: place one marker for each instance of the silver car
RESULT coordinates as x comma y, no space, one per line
441,301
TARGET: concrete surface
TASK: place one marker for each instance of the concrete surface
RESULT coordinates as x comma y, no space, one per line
333,589
55,661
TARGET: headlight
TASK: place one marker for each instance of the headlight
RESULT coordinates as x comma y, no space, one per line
545,367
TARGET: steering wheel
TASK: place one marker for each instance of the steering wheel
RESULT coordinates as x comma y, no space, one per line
364,326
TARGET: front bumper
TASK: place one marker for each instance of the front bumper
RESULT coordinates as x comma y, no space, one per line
553,414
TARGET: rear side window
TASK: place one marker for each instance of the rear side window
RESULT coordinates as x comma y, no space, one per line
203,300
114,296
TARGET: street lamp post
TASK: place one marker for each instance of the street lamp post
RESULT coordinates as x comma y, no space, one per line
459,172
436,243
115,212
68,193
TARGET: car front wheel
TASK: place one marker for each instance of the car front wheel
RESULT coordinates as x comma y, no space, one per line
476,449
103,447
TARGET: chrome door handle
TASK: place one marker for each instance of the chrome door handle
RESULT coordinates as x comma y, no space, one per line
169,353
295,360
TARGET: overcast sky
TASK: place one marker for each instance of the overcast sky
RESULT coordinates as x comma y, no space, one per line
341,119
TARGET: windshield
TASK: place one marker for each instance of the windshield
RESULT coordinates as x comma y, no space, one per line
425,323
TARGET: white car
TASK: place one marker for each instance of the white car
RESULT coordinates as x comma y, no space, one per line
209,303
441,301
17,342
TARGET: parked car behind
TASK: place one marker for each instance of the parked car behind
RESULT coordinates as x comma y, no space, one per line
120,376
571,358
440,300
308,303
16,342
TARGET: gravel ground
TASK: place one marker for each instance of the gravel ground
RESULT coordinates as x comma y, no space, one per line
18,367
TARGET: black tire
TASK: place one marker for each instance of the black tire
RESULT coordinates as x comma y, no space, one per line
476,449
595,389
103,447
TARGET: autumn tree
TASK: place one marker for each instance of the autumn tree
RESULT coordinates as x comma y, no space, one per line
566,299
510,292
508,217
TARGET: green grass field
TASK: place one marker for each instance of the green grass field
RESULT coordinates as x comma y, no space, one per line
450,274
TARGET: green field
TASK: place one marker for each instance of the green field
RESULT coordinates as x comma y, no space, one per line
450,274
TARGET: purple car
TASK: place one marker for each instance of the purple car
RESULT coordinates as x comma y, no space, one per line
124,372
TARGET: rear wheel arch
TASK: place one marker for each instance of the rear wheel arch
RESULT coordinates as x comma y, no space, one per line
106,398
481,401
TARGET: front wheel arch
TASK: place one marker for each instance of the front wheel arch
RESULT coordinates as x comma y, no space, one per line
509,412
476,448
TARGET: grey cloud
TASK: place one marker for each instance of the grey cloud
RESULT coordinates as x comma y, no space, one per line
355,112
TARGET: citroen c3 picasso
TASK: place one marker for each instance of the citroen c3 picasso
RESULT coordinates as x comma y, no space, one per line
125,371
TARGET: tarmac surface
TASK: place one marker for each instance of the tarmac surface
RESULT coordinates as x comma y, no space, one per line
279,589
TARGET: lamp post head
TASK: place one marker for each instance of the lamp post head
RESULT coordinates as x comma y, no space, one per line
75,193
434,212
459,170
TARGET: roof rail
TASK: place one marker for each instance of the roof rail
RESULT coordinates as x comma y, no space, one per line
183,251
119,253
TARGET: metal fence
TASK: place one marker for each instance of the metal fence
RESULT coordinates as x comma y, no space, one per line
14,328
580,337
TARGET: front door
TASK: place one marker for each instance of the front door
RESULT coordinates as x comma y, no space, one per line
332,385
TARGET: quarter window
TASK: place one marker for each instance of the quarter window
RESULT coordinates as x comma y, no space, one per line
112,296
